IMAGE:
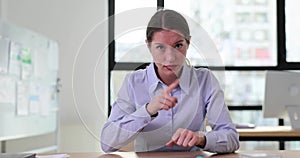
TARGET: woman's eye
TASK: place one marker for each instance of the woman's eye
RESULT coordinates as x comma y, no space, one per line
160,47
179,45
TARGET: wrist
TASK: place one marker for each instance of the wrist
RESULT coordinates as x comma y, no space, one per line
150,110
202,141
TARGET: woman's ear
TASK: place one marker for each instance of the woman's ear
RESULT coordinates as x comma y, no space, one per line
189,38
189,41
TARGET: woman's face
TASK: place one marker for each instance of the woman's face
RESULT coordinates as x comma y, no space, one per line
168,49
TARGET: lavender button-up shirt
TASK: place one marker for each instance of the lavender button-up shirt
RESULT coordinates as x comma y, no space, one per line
200,97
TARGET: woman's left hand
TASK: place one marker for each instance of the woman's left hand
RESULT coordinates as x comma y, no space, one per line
187,138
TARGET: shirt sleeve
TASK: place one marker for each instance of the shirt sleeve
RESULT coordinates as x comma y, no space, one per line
224,137
125,120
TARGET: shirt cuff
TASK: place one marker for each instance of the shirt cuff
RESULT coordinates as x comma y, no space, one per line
210,141
143,114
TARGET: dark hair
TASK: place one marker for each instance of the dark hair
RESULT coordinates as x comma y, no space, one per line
167,20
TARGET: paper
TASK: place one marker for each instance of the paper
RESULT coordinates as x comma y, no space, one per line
4,55
7,91
260,155
34,98
26,63
22,99
17,155
15,60
45,100
53,156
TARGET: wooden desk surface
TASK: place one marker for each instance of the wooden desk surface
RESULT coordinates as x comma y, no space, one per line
269,131
259,133
282,153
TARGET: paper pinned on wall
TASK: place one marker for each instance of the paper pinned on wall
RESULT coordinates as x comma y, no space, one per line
34,98
4,55
27,68
45,100
15,60
22,99
7,91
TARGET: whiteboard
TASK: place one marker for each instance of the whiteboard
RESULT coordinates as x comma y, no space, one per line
28,83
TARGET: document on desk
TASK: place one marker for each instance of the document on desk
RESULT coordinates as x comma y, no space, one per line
17,155
260,155
53,156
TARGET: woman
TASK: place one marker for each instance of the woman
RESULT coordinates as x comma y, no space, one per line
164,107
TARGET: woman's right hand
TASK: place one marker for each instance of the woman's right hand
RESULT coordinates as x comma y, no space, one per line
163,101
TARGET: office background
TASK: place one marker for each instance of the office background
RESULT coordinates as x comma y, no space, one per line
69,22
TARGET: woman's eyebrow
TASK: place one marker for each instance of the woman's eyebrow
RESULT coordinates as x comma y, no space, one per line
179,41
158,43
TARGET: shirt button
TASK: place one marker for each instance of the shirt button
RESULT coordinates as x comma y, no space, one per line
145,121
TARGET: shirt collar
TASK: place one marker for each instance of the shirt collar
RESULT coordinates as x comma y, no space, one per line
152,78
185,78
154,81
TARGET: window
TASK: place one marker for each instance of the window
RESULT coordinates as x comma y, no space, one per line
244,31
130,41
292,31
250,36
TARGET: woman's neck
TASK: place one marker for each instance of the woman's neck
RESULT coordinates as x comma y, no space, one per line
166,79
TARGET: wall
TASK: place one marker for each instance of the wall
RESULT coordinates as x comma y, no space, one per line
82,68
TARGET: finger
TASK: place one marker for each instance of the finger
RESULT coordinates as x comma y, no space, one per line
187,139
176,135
172,86
193,141
182,137
168,103
171,99
165,107
170,143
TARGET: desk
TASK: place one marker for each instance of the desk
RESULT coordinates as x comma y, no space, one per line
259,133
270,133
283,154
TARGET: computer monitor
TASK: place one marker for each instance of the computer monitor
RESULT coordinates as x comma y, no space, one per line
282,91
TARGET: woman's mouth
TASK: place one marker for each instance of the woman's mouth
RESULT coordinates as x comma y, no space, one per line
170,67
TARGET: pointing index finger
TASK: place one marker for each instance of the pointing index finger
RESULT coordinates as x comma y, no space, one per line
172,86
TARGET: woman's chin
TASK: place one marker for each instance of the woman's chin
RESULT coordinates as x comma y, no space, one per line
171,73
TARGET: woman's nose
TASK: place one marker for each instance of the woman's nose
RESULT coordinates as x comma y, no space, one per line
170,54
